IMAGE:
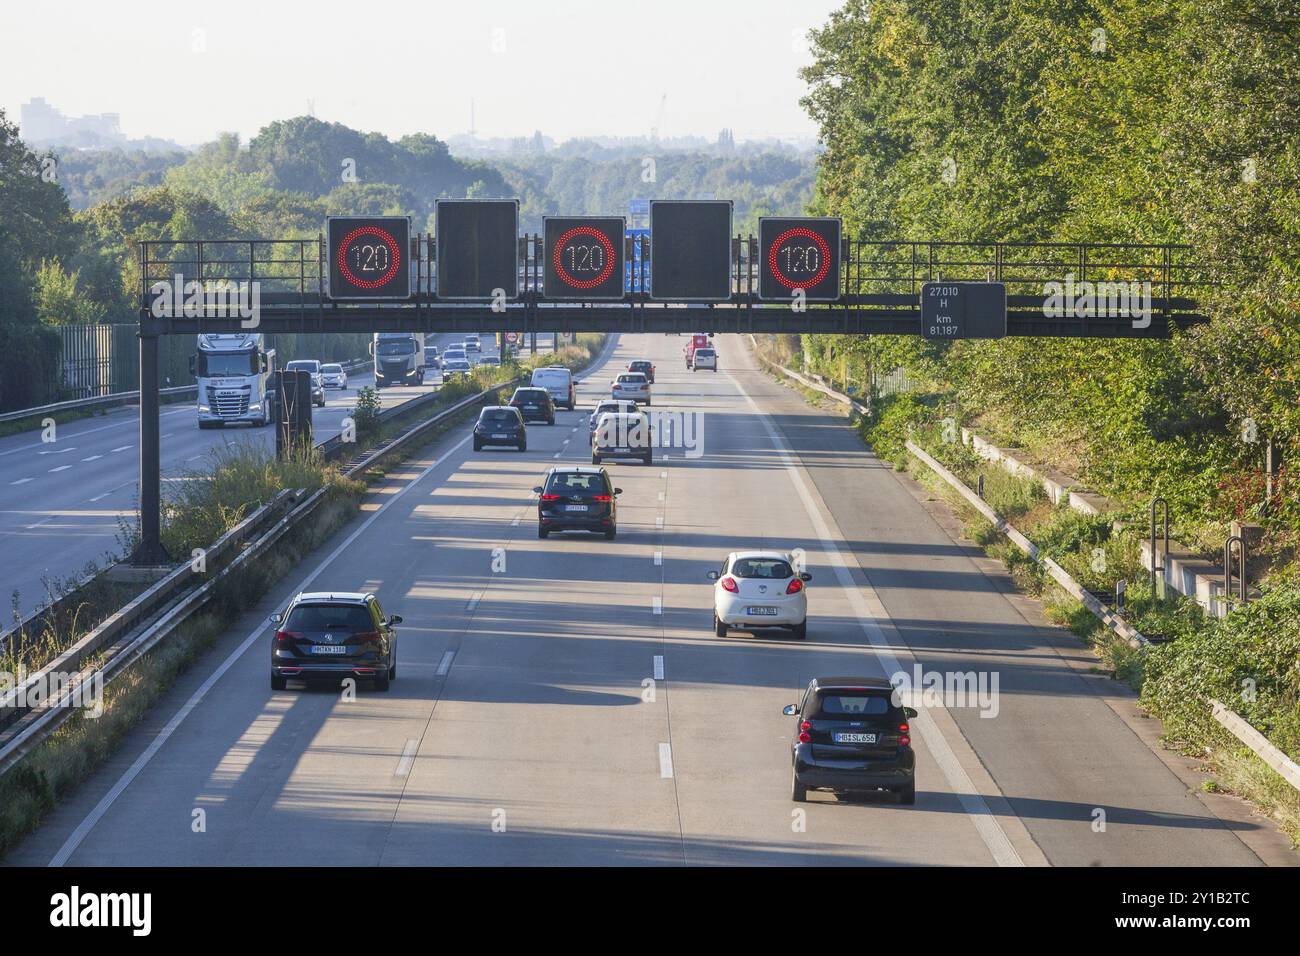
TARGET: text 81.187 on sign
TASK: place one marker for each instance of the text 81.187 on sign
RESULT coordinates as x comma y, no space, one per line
963,310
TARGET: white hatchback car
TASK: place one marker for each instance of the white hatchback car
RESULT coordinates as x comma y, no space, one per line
705,358
758,589
333,376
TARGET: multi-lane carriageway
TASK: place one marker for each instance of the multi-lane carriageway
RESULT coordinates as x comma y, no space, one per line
61,502
520,729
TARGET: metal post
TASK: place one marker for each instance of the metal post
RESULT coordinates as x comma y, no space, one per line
150,550
1157,501
1241,568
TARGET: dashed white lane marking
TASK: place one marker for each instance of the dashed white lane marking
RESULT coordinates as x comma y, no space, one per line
61,451
659,667
60,468
78,836
659,559
31,527
656,605
120,448
663,474
661,496
659,523
666,761
93,458
408,757
473,601
194,458
515,523
20,481
444,665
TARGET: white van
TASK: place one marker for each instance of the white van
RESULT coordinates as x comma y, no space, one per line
558,381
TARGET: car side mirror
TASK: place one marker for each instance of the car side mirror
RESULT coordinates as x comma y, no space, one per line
617,492
277,618
791,710
537,490
713,575
395,619
805,577
910,711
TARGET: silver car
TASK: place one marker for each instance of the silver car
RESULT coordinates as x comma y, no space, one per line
333,376
633,386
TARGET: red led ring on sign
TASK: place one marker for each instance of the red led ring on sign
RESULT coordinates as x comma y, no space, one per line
388,239
557,255
801,232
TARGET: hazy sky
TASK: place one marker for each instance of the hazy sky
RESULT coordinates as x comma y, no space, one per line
185,71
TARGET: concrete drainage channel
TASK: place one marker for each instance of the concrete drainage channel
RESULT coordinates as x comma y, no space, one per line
31,711
1231,721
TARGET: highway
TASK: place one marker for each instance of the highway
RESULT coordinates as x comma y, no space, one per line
577,709
61,503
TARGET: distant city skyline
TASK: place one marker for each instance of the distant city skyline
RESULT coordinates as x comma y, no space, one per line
573,69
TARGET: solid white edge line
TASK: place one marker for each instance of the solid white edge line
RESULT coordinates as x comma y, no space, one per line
83,829
986,824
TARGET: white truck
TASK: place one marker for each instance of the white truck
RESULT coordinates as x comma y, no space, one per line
399,358
234,373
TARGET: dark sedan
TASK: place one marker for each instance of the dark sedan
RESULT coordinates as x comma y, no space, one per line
534,404
853,736
577,499
334,635
500,425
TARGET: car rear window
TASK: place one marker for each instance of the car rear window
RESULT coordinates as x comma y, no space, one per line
704,353
532,394
585,484
635,377
301,365
849,703
762,568
330,617
331,368
640,366
499,415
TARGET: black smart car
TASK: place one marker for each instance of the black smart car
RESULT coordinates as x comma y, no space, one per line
534,404
334,635
500,425
852,736
577,499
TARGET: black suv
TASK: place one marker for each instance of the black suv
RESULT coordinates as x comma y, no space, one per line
853,735
500,425
334,635
534,404
577,499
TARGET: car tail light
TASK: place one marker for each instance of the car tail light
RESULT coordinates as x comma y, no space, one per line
794,587
550,497
904,740
729,584
602,497
284,637
804,736
366,637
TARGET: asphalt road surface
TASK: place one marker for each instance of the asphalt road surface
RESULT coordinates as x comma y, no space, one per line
62,503
575,707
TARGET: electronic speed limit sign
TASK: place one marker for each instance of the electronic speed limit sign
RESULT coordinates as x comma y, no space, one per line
799,254
584,258
369,258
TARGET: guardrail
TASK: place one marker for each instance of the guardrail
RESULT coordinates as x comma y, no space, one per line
34,723
1231,721
118,399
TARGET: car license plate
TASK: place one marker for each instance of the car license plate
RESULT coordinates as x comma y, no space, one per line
575,507
761,611
854,738
328,649
500,435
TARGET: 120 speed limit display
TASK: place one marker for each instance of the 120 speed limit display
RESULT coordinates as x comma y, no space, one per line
584,258
799,254
369,258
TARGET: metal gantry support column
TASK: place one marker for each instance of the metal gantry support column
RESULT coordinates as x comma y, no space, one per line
150,549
